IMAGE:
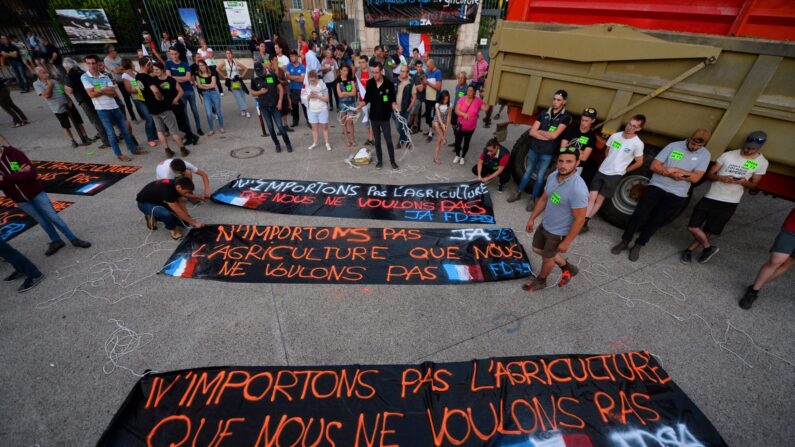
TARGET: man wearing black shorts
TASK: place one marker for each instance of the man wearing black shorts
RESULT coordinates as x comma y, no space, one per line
782,257
730,175
61,106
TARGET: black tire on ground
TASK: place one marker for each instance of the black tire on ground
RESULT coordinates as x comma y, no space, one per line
519,156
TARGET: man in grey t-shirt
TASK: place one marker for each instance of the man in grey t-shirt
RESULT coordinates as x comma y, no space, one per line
563,203
60,105
676,167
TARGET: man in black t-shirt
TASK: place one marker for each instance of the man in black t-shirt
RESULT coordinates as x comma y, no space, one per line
161,92
270,95
493,163
10,53
581,137
161,200
380,95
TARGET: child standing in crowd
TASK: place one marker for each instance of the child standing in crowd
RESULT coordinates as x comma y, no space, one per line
441,122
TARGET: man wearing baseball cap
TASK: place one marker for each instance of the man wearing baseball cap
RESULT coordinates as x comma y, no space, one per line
679,165
581,137
270,97
730,175
544,134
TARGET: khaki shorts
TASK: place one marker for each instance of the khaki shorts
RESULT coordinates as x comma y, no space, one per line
546,242
165,122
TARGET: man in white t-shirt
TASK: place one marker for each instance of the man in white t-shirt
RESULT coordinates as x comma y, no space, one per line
730,175
624,154
174,168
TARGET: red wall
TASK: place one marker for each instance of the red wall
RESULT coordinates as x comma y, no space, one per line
767,19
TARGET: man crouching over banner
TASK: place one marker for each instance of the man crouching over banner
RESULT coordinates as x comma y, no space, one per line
567,196
162,200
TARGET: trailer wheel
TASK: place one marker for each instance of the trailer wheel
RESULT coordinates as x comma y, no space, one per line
519,156
618,209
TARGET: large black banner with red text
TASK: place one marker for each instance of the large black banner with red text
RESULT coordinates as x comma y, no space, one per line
467,203
80,179
544,401
401,13
14,221
341,255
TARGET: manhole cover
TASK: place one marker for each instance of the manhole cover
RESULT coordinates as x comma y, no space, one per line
247,152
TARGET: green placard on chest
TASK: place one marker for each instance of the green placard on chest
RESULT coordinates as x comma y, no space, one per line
181,69
59,89
14,165
98,86
349,88
583,139
134,83
386,98
202,81
460,94
235,85
616,145
553,128
750,165
555,198
677,155
165,86
269,80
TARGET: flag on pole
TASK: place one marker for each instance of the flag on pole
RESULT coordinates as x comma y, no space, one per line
409,41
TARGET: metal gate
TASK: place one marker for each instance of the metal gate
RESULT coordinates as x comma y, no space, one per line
492,10
443,40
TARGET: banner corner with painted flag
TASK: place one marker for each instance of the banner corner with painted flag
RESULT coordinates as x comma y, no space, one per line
409,41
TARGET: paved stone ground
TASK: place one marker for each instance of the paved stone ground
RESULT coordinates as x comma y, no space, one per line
59,388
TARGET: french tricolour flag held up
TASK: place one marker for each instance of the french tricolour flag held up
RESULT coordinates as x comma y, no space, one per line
458,272
410,41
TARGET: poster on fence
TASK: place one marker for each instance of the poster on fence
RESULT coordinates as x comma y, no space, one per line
465,203
342,255
623,399
14,221
80,179
239,20
401,13
86,25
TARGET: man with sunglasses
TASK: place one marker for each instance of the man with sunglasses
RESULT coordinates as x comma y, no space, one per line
730,175
678,166
624,154
563,203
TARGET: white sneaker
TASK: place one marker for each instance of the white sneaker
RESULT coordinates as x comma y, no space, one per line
328,147
222,93
455,160
248,115
242,113
461,161
314,145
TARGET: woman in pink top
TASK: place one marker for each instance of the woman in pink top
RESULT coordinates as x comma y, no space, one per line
467,110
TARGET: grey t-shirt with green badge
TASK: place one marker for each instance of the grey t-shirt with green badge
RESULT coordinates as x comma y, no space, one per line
562,197
677,155
58,100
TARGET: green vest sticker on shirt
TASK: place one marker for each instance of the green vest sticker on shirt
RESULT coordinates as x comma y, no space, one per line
165,86
553,128
202,81
14,165
134,83
349,88
555,198
235,85
181,69
269,80
98,86
584,140
460,94
677,155
750,165
616,145
386,98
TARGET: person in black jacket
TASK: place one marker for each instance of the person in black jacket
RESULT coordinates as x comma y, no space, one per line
380,95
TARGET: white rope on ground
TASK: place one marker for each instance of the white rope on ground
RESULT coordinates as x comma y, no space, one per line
408,145
347,113
123,341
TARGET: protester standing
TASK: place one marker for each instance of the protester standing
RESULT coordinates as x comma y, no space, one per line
380,96
160,93
206,54
233,73
8,105
480,69
441,122
75,87
330,68
296,73
347,93
130,85
433,83
467,110
11,55
22,266
271,96
317,108
212,99
782,257
180,71
60,105
115,71
405,97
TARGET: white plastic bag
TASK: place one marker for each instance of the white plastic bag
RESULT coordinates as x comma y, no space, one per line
362,157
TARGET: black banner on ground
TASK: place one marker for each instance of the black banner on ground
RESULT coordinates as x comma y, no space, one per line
339,255
399,13
80,179
467,202
549,400
14,221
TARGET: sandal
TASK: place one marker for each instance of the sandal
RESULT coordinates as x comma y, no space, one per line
567,274
535,284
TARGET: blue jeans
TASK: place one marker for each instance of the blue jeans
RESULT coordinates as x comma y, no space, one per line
40,208
190,98
18,68
240,97
402,137
109,118
271,115
151,131
212,102
162,213
535,160
17,260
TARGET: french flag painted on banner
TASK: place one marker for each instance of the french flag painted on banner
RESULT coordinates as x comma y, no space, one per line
230,199
410,41
182,267
91,187
458,272
552,438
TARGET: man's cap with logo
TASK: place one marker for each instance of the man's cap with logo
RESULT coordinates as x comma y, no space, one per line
755,139
590,112
259,68
563,94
